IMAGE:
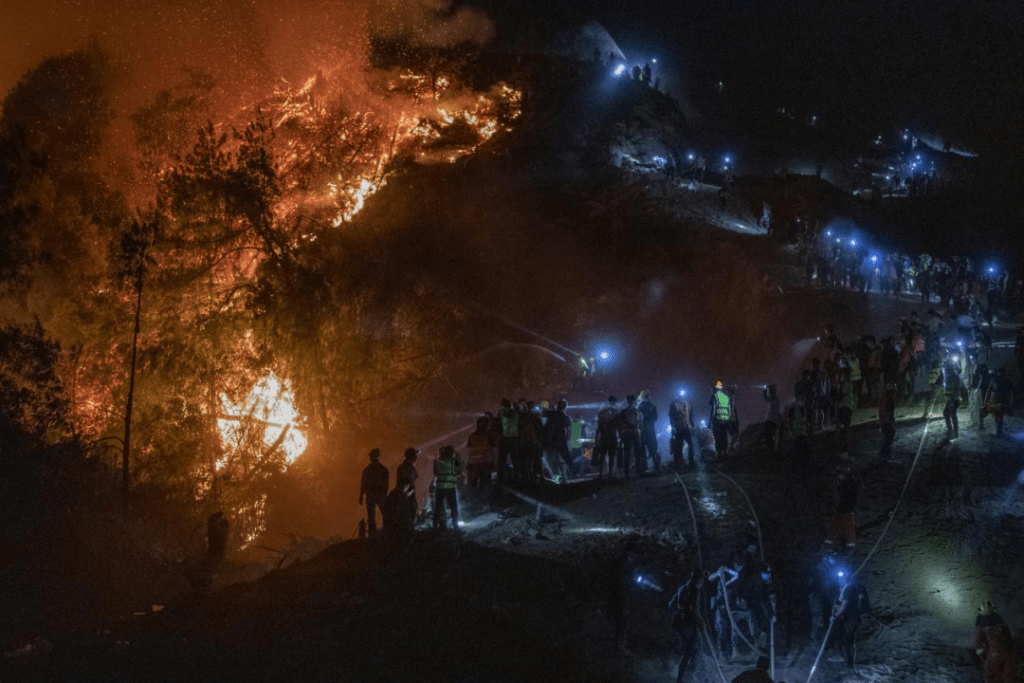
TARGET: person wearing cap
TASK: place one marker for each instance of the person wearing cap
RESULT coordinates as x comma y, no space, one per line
407,474
648,433
374,488
952,385
606,440
721,416
993,643
680,415
849,607
447,474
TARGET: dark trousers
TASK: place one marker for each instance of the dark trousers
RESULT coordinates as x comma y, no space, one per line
605,449
691,646
680,437
996,410
888,435
649,441
632,450
373,503
441,498
949,412
508,450
562,449
721,432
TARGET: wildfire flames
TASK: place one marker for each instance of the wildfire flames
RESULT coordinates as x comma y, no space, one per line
267,416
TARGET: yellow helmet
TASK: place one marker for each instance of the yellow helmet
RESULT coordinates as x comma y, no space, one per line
545,405
718,384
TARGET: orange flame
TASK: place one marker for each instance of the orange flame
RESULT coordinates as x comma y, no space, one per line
270,409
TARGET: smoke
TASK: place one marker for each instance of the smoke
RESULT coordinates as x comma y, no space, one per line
244,44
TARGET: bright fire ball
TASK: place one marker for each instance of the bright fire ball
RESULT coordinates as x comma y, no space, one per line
270,403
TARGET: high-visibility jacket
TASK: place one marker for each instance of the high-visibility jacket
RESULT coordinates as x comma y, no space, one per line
575,433
446,473
798,422
721,406
479,450
509,422
854,361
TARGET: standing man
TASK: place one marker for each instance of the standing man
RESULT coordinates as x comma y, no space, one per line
557,428
887,419
851,605
721,415
993,643
998,399
632,422
951,388
606,440
447,473
680,415
508,446
648,433
480,454
374,488
686,620
406,476
842,529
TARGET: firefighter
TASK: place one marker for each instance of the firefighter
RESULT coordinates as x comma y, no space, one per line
557,429
721,415
734,418
686,620
577,433
530,429
407,474
952,386
993,643
680,415
374,487
998,400
399,516
841,527
649,434
606,440
851,605
508,446
480,454
631,423
447,475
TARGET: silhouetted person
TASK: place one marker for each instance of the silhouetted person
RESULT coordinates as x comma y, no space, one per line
374,488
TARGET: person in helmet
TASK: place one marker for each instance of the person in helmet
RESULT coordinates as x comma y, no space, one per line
606,439
952,385
721,416
557,428
374,488
993,643
447,475
848,609
481,454
680,415
508,445
648,432
631,422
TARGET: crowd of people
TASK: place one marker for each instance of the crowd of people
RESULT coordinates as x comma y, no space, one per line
843,262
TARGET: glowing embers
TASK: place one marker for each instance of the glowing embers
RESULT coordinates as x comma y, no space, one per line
263,425
352,197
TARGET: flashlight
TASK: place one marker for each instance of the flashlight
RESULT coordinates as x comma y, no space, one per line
604,355
703,423
619,69
691,156
874,259
682,392
828,233
956,359
838,240
853,243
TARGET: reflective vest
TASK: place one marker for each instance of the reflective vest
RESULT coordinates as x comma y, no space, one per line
723,406
854,362
509,422
681,415
479,449
576,433
446,473
799,423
